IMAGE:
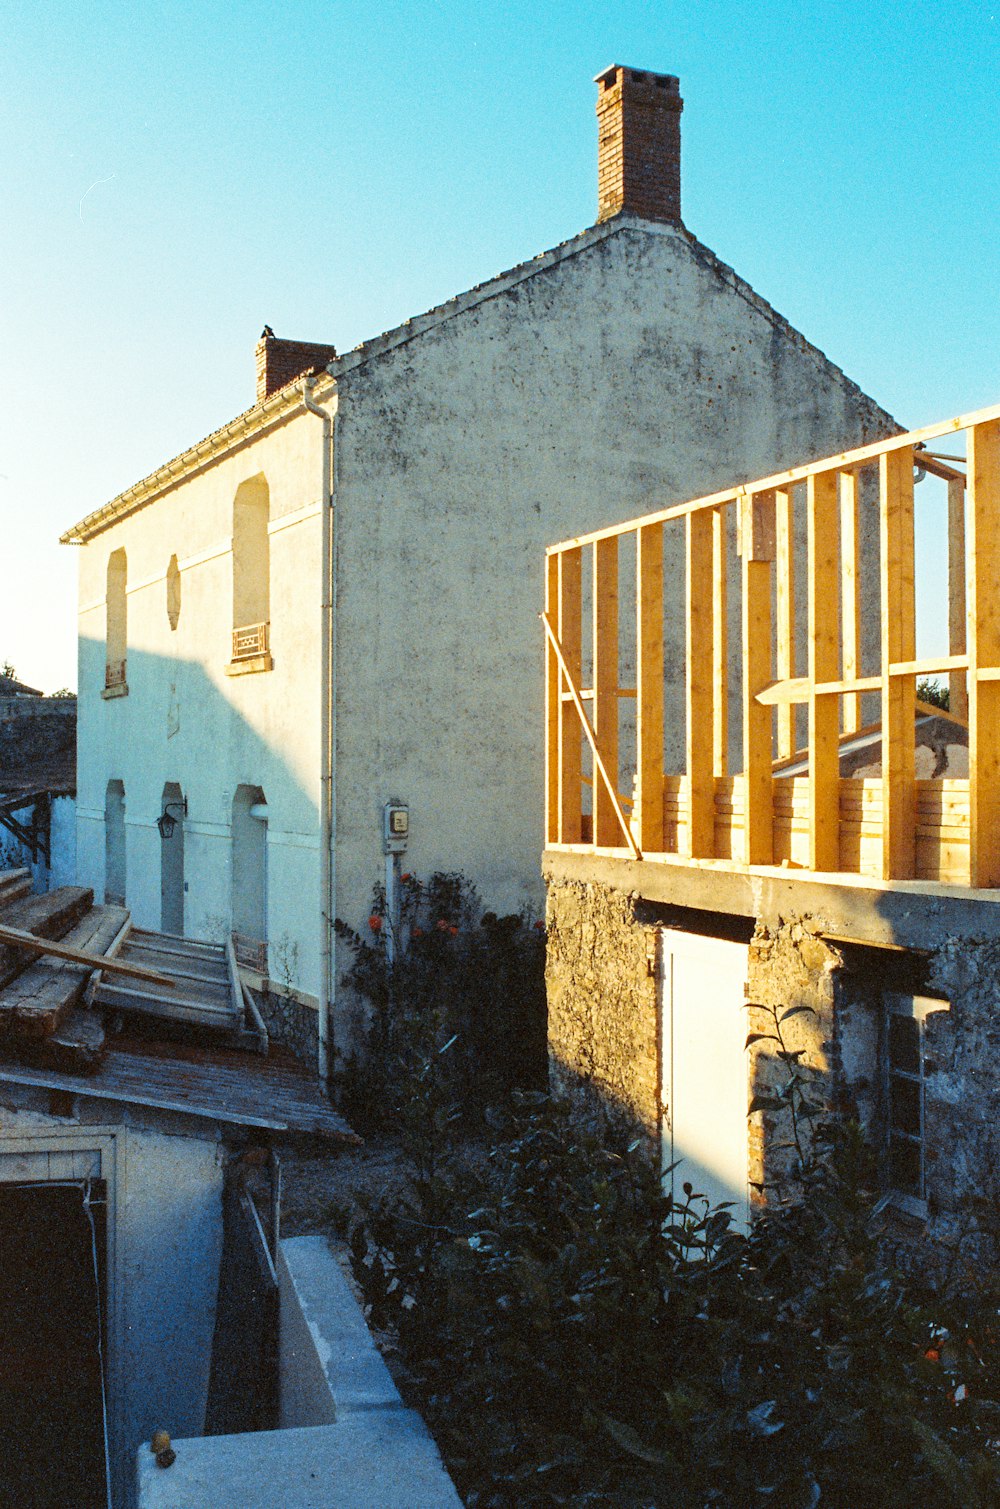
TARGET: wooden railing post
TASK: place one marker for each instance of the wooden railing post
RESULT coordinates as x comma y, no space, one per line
720,644
606,830
700,698
649,688
958,691
569,632
757,550
824,658
898,644
982,536
553,705
850,595
784,594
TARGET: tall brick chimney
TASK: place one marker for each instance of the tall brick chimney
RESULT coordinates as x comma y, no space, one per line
639,144
279,362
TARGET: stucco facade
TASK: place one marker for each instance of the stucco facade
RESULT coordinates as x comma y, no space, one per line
627,369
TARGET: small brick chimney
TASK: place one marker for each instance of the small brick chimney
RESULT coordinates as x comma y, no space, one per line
280,362
639,144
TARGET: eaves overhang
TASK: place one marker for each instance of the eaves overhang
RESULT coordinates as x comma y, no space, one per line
247,426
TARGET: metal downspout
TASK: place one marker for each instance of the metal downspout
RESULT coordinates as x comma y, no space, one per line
327,745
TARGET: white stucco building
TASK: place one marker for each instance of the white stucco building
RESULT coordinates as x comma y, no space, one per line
331,603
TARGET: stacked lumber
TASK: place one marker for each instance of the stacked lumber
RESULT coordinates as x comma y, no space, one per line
49,946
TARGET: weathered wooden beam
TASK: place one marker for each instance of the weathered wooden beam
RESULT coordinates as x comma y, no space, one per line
982,543
824,664
552,706
898,635
46,946
784,592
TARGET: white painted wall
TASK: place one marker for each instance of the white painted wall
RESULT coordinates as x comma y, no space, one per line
164,1249
629,370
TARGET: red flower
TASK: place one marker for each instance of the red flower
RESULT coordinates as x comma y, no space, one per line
932,1354
418,932
441,925
406,877
375,922
453,931
539,927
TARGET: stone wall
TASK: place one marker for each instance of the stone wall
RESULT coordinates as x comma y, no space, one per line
826,998
602,1004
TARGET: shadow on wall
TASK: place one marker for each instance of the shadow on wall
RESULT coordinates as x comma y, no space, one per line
173,770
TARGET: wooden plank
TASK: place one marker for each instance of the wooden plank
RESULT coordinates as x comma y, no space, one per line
898,640
648,811
823,648
37,1003
78,956
700,694
983,641
172,943
720,643
552,708
236,1003
784,606
850,596
48,916
606,829
174,1008
259,1026
569,632
958,694
758,814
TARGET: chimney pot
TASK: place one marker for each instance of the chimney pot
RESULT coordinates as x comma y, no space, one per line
639,144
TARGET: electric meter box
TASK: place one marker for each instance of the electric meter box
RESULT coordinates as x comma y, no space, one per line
395,827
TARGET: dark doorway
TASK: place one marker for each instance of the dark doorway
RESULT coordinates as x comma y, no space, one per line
51,1401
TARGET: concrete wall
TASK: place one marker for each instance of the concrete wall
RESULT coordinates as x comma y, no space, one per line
635,372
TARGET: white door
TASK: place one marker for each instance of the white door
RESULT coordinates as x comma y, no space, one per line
704,1082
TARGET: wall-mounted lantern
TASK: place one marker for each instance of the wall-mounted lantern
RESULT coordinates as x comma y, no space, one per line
165,822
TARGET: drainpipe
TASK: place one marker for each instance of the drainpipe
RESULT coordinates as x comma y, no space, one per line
327,740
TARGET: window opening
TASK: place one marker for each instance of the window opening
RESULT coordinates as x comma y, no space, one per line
117,621
173,592
251,569
905,1071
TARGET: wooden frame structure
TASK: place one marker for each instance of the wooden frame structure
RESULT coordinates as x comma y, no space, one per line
808,595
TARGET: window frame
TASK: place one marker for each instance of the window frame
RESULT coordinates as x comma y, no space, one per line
916,1008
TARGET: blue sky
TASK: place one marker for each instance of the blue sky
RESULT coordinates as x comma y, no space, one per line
177,175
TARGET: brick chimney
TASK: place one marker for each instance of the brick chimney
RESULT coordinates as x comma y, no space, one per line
639,144
280,362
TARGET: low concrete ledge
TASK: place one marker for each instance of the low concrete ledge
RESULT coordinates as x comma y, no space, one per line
349,1442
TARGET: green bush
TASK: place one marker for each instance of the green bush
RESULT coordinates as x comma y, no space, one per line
459,1013
575,1338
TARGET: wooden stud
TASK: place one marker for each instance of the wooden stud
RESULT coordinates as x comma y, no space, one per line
898,634
784,592
958,694
824,662
649,688
720,644
982,534
569,632
552,711
606,684
758,815
850,596
699,686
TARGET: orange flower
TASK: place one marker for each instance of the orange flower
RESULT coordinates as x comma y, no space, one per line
932,1354
406,877
375,922
453,931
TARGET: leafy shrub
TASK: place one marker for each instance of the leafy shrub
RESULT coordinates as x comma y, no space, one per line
457,1016
576,1338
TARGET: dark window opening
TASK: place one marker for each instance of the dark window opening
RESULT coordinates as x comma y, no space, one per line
51,1396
